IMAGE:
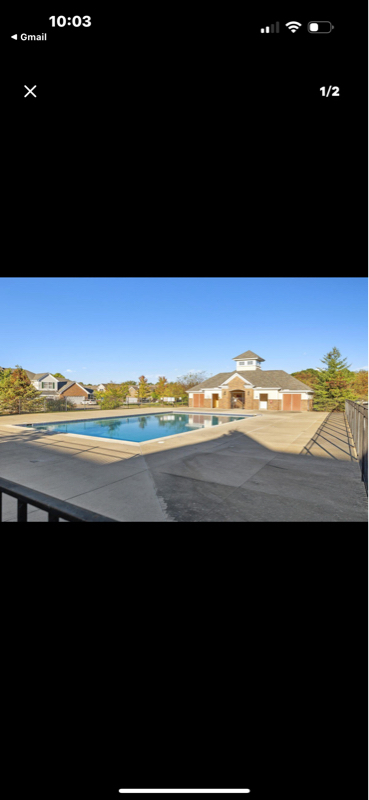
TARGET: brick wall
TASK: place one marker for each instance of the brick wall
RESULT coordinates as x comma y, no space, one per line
273,405
190,401
224,400
249,397
207,403
237,383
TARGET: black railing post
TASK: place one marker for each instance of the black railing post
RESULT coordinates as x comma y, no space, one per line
55,508
22,511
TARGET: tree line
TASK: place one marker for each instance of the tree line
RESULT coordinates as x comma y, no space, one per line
116,394
332,385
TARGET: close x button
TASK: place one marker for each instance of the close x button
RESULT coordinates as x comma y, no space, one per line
30,91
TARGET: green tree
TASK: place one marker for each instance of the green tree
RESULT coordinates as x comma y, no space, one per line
111,398
160,387
334,385
4,373
308,376
143,389
360,384
174,390
17,393
59,376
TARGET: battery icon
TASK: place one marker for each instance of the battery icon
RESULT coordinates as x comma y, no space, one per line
320,27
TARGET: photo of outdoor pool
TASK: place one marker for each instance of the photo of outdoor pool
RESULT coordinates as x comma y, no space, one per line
140,428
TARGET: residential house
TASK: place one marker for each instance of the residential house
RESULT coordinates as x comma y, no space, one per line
49,386
251,388
54,388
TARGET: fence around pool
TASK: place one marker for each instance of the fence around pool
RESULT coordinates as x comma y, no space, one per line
357,418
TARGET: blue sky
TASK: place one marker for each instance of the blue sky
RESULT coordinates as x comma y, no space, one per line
101,329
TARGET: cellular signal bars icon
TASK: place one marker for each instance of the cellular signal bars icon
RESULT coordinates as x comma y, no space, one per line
270,29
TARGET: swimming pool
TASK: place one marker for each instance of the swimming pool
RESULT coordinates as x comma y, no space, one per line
138,428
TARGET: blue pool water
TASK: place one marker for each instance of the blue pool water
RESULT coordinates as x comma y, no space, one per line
140,428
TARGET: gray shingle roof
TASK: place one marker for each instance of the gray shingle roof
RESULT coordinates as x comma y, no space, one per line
211,383
277,378
248,354
271,379
41,375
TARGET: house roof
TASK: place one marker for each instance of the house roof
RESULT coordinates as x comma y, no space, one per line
248,354
41,375
216,380
270,378
277,378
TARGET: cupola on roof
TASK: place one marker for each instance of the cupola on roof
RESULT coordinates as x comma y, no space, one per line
248,354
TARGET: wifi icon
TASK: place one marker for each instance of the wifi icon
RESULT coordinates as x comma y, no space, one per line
293,26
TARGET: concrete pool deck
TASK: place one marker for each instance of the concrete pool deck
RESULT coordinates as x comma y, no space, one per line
276,466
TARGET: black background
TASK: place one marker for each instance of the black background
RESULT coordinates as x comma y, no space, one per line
231,657
211,658
216,137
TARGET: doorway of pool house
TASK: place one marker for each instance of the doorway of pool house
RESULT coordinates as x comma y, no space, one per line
263,401
237,399
215,401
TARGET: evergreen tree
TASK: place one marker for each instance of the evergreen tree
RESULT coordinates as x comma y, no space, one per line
334,385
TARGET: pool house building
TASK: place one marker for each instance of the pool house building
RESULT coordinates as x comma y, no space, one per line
252,388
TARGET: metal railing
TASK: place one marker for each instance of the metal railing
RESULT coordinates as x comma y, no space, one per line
357,418
55,508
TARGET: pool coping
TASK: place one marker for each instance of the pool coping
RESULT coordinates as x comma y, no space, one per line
26,427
